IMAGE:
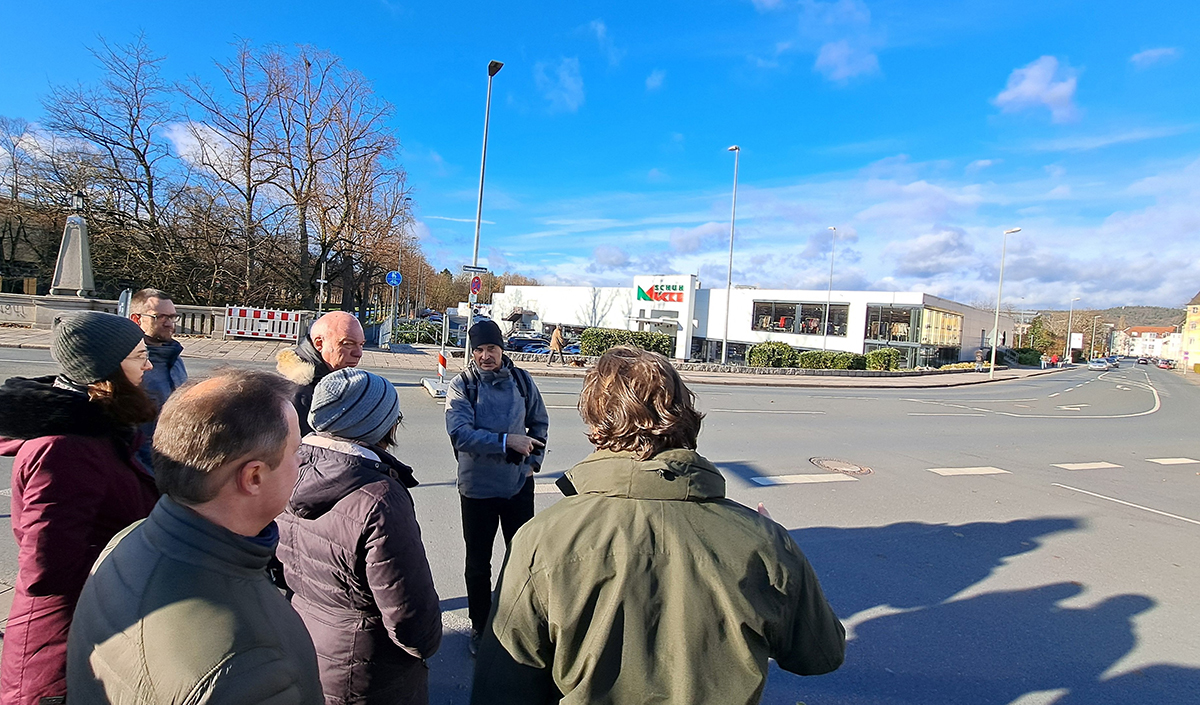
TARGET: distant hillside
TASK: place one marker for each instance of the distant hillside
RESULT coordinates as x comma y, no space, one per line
1127,316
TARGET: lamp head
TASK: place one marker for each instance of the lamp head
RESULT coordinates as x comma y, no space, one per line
1010,232
77,199
734,148
494,68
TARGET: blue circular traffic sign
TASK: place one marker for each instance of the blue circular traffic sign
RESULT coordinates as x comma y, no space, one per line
394,278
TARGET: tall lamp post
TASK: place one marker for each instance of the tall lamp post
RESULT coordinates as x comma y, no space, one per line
737,152
1067,352
999,293
493,69
829,292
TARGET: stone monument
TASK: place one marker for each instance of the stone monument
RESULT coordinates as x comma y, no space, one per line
73,272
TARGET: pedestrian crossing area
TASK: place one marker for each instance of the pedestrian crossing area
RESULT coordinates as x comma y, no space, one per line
1077,466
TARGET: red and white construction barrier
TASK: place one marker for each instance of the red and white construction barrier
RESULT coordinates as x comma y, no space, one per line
262,323
441,366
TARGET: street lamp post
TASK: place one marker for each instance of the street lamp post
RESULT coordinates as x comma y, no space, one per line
493,69
829,291
737,152
1067,352
999,293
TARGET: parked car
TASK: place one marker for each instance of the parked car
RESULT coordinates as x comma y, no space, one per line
572,349
1166,364
519,343
1098,363
1143,361
1113,360
541,349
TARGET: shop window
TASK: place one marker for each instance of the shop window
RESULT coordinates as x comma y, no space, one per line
777,316
893,323
799,318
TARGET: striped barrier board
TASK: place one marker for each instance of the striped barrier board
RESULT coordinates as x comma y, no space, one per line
262,323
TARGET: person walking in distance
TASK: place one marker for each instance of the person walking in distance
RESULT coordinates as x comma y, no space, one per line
979,360
556,347
179,608
76,482
154,312
647,583
498,428
334,342
351,548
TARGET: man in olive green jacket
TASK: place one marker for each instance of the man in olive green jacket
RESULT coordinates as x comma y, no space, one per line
179,608
649,585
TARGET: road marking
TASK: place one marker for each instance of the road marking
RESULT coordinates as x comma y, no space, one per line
6,492
33,362
1085,466
1055,394
1072,407
548,406
765,411
1129,504
1172,461
545,488
917,413
801,479
985,470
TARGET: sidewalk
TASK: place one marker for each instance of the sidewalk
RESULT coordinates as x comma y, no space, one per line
424,359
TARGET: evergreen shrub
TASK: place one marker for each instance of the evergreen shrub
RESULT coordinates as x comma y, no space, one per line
771,355
595,341
883,359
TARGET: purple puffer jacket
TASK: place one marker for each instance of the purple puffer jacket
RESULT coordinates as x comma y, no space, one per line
352,553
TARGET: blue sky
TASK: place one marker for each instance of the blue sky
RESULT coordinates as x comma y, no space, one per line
920,130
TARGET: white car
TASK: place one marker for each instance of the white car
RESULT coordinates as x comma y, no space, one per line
1098,364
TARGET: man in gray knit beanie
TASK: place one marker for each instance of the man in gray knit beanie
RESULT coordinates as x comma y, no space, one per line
355,405
90,346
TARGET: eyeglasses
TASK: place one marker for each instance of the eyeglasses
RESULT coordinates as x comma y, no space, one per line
172,317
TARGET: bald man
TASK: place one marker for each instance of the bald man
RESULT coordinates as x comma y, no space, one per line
335,341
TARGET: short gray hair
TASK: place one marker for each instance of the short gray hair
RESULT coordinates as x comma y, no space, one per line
238,414
140,301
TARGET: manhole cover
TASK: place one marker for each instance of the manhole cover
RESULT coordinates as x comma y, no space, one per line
843,466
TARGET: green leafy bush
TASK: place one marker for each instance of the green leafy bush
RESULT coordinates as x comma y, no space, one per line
595,341
849,361
416,332
771,355
1029,357
883,359
816,359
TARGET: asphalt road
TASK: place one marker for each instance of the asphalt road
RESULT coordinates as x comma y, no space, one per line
1011,543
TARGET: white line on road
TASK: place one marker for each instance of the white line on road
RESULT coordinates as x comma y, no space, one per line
1128,504
918,413
985,470
801,479
1055,394
33,362
545,488
6,492
572,406
764,411
1085,466
1172,461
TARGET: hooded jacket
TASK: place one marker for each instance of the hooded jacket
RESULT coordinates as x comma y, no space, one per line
651,586
159,382
304,366
352,553
181,610
478,423
75,484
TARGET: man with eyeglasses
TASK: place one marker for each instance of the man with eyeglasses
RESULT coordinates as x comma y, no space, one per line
154,311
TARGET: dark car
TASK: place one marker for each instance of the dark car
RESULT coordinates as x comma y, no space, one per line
519,343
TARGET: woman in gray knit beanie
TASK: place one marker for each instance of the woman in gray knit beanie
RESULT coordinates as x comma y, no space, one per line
76,482
351,548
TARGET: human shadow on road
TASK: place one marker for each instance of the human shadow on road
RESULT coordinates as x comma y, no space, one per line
994,647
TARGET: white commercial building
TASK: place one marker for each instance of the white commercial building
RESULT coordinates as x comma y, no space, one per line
929,330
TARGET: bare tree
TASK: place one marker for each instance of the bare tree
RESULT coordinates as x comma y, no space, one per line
595,308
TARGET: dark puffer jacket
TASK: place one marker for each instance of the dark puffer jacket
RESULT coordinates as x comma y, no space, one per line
75,485
351,550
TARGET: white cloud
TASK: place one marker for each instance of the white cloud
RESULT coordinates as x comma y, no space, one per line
1041,83
1144,59
980,164
932,253
608,256
655,80
561,84
767,5
458,220
656,176
610,51
1083,143
840,61
701,237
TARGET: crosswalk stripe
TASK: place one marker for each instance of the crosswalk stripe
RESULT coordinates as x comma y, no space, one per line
1085,466
545,488
765,411
983,470
1172,461
801,479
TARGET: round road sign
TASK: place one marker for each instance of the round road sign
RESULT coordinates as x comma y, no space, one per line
476,285
393,278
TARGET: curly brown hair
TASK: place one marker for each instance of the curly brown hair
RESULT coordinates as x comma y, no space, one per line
124,402
634,400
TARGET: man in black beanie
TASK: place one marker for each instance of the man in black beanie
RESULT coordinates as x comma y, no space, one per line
498,427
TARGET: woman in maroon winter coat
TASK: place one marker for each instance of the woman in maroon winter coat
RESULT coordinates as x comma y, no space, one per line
351,549
75,485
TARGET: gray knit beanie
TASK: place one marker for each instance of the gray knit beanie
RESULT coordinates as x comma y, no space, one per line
354,404
90,346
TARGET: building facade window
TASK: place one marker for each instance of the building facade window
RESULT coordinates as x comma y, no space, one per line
799,318
894,323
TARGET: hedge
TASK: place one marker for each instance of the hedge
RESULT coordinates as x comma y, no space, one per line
595,341
416,332
883,359
771,355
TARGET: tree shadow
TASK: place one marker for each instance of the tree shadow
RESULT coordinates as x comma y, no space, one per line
996,647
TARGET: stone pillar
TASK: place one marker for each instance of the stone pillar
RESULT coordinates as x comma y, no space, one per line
73,272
